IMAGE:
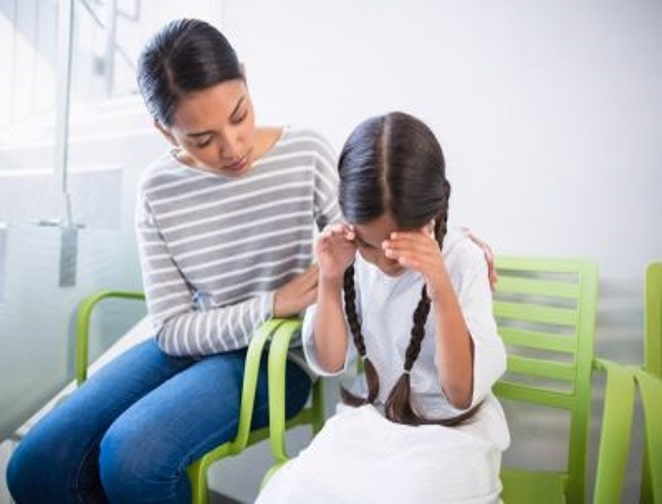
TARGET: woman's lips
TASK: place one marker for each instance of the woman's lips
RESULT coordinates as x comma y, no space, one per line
237,165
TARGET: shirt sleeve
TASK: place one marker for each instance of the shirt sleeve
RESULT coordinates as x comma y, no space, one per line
307,330
184,325
326,206
475,298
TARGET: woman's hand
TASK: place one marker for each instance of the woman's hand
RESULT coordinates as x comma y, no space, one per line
488,254
336,250
297,294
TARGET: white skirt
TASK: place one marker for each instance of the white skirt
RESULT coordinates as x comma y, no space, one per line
359,456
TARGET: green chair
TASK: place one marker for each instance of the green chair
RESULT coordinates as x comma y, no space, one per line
545,311
276,331
653,319
616,432
652,350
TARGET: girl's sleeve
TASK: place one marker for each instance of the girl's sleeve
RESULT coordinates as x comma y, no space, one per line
183,324
475,297
309,343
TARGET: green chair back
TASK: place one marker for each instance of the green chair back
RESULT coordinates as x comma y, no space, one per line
652,351
277,332
653,319
545,311
616,429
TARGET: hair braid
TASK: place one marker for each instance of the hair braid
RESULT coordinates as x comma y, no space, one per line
398,406
355,326
418,330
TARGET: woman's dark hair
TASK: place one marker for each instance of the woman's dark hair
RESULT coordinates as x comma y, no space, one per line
394,164
185,55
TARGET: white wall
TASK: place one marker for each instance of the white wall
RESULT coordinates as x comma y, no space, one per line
549,113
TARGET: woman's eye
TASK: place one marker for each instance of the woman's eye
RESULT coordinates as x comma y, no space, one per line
240,118
203,144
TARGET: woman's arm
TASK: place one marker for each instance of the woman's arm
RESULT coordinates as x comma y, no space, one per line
185,327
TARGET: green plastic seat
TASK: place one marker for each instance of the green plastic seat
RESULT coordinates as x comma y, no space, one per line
276,332
545,310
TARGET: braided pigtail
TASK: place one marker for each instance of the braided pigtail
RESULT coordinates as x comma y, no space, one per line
441,222
355,326
398,406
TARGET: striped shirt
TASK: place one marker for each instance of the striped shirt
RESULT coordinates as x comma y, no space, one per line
215,248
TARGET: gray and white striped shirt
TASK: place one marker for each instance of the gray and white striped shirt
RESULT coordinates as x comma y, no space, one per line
214,248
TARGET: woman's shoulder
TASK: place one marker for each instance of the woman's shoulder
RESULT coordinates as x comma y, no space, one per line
305,140
165,169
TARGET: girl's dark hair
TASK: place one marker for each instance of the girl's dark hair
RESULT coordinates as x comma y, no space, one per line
185,55
394,164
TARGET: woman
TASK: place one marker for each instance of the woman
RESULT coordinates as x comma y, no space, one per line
224,222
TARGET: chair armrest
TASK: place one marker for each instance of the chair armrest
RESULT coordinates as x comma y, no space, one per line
615,432
83,317
277,369
249,384
650,388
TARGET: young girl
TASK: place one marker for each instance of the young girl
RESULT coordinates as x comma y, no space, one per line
416,303
224,223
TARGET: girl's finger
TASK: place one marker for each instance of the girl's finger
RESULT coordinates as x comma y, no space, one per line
421,245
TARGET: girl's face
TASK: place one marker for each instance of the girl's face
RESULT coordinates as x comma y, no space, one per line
215,129
369,239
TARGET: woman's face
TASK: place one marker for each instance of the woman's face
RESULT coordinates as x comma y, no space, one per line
215,129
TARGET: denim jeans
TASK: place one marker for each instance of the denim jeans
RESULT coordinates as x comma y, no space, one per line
129,432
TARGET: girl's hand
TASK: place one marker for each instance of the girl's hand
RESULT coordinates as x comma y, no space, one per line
419,251
336,250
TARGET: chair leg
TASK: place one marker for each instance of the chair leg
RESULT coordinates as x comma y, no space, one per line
318,406
197,475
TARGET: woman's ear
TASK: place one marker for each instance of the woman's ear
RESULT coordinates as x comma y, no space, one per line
166,133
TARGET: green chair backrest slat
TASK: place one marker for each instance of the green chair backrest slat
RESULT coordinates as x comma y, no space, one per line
530,312
541,368
542,287
538,340
547,306
535,395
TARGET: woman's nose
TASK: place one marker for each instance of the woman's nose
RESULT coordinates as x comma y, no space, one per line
231,147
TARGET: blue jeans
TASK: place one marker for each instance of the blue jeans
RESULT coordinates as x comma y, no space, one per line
129,432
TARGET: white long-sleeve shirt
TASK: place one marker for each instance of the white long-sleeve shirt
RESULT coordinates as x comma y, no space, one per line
385,306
